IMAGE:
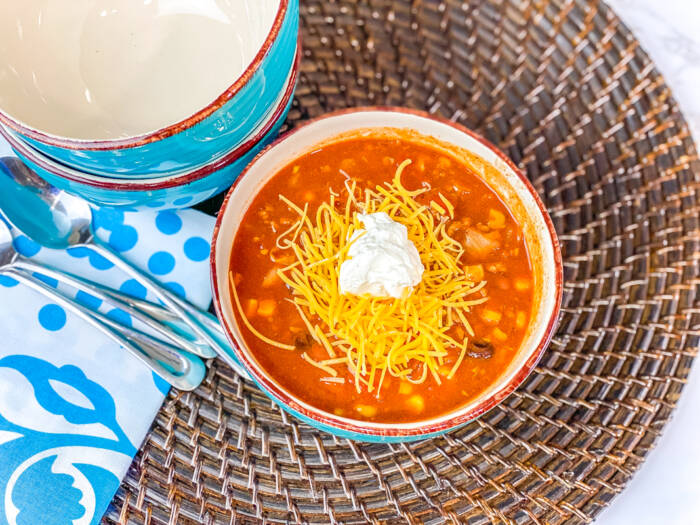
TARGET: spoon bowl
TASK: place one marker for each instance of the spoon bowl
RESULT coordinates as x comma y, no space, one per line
51,217
8,254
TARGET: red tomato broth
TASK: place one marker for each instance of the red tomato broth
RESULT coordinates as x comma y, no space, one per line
503,320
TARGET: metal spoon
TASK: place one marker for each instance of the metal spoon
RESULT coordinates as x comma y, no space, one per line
183,371
167,317
56,219
153,315
186,342
182,339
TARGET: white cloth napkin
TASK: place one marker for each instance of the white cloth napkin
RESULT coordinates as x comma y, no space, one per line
74,406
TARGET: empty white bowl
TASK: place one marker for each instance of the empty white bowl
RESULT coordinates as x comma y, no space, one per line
142,86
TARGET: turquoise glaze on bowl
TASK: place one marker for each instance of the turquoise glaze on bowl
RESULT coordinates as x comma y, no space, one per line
360,435
198,140
164,193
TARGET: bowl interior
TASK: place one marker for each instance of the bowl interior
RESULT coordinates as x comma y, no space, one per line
138,181
112,69
495,169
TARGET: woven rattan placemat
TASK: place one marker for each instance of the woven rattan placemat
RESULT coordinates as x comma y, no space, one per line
566,91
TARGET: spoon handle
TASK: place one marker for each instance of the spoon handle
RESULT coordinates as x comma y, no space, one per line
181,370
188,313
120,301
165,316
210,323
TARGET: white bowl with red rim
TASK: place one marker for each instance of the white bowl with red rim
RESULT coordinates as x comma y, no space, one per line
506,180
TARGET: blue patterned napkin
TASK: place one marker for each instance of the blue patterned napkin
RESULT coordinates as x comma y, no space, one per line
74,406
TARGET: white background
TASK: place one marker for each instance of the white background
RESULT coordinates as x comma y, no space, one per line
666,489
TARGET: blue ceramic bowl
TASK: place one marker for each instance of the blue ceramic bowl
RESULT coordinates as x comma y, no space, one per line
175,191
200,139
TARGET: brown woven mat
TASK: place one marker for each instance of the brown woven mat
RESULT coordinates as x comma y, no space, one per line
566,91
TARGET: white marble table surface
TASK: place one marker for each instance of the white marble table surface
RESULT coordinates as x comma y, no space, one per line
666,489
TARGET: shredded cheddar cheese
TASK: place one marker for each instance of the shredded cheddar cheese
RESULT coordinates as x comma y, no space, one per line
412,337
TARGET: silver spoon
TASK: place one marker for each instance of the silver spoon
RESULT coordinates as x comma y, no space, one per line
167,317
56,219
180,338
144,311
186,342
182,370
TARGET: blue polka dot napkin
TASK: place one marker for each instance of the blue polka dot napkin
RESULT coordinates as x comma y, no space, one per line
74,406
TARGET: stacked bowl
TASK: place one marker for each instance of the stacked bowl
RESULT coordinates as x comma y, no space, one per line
145,104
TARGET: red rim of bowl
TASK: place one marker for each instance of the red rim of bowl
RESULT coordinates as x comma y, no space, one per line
420,428
140,140
180,180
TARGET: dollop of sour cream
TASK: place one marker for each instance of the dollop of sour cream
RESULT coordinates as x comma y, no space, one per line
381,260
